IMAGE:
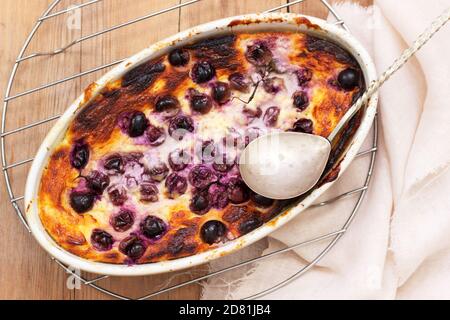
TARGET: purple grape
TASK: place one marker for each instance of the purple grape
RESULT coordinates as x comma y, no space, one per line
153,227
117,194
218,195
149,192
133,123
300,100
303,125
97,181
201,176
179,57
114,164
271,116
101,240
179,126
158,172
176,185
221,92
155,135
348,79
212,231
179,159
79,156
304,75
200,102
82,201
273,85
200,203
122,221
132,246
202,72
259,54
261,201
239,82
167,104
236,213
238,192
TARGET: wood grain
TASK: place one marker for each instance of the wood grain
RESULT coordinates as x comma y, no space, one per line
26,271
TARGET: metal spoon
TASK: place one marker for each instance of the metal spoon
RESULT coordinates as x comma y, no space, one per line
284,165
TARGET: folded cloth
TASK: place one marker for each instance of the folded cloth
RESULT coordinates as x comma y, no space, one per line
398,245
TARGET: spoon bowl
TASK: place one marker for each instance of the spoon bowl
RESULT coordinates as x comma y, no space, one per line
284,165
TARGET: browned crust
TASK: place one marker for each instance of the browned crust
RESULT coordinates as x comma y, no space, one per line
245,22
306,22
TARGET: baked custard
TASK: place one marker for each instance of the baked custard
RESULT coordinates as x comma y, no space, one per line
146,171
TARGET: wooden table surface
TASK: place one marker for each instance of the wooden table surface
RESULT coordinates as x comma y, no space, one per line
26,271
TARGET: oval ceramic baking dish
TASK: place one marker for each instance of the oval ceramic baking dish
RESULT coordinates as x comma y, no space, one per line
246,23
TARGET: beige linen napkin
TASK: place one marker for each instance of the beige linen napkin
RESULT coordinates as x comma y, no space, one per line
398,246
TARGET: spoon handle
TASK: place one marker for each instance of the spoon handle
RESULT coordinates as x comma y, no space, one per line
396,65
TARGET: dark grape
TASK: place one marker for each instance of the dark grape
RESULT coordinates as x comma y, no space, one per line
176,185
153,227
259,54
114,164
132,246
212,231
179,126
201,103
221,92
237,190
202,72
149,192
117,194
303,125
97,181
201,176
218,195
300,100
200,203
123,220
81,202
80,155
101,240
348,79
179,57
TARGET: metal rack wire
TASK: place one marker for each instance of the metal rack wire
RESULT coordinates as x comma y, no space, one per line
332,237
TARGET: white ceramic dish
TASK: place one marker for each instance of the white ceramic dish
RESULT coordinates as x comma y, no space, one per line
246,23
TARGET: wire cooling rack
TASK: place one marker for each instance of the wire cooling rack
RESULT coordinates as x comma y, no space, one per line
96,282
